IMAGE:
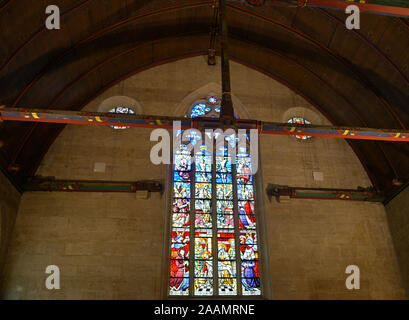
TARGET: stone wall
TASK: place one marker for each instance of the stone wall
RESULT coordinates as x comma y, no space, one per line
397,212
9,203
113,245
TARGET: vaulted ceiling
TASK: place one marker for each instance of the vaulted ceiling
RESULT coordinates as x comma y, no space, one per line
355,78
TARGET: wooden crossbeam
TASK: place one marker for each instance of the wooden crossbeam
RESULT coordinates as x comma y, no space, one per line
52,185
286,192
398,8
150,121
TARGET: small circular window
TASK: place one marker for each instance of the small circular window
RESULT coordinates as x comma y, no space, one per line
300,121
122,110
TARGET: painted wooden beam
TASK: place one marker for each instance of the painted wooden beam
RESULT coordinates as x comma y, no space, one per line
286,192
150,121
52,185
387,7
398,8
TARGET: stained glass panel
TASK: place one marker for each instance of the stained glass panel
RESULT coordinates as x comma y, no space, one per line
203,220
250,269
183,162
300,121
203,206
243,166
203,163
248,246
245,192
203,190
226,269
181,190
203,244
199,110
121,110
204,268
225,220
223,178
181,205
225,243
247,218
227,286
181,176
251,286
203,286
180,243
180,219
224,206
224,191
179,286
203,177
223,164
244,179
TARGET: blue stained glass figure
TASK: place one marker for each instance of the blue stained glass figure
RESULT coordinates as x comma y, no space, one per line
182,176
198,110
203,177
193,137
223,164
232,140
223,178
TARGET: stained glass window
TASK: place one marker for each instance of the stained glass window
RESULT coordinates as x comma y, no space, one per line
124,110
214,223
209,107
300,121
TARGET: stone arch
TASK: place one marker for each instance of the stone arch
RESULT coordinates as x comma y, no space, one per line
115,101
211,88
306,113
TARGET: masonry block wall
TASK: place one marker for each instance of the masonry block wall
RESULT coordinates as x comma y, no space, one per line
9,203
112,245
397,212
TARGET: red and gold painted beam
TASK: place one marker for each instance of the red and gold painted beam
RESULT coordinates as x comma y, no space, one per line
148,121
52,185
386,7
360,194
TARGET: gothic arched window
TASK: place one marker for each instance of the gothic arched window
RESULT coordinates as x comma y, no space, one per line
214,243
300,121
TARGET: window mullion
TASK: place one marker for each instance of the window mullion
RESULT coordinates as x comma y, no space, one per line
192,228
214,224
236,226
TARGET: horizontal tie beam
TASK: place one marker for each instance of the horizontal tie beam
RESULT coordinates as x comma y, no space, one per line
149,121
398,8
283,193
51,185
